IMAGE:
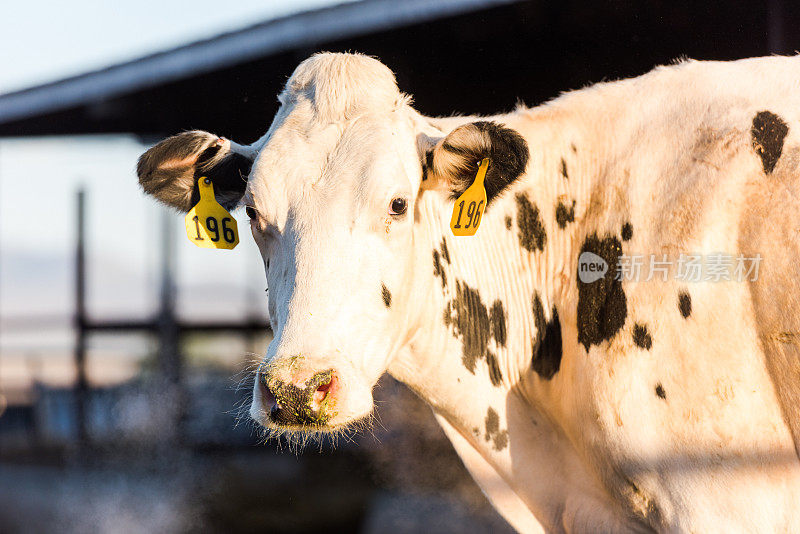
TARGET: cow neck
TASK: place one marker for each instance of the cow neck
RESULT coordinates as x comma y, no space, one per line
501,263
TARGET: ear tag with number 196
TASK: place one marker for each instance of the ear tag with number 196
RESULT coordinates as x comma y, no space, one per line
469,207
209,225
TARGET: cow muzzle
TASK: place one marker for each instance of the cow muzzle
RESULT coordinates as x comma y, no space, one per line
304,404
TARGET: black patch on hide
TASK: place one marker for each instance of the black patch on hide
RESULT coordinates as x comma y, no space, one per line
565,214
546,343
602,307
531,229
768,132
642,337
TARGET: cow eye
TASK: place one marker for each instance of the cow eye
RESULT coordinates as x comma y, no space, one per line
251,212
399,206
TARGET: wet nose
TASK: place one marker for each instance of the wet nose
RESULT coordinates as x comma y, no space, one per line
306,403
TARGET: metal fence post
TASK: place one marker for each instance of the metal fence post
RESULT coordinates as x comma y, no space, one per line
81,385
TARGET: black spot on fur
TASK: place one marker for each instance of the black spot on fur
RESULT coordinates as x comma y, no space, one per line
428,162
768,133
495,375
508,222
476,326
685,303
627,231
492,422
429,158
508,157
445,252
438,270
468,316
546,344
602,308
531,230
564,168
642,337
660,392
493,433
497,320
574,148
565,214
387,295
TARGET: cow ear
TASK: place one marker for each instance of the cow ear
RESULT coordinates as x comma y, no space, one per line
452,162
169,171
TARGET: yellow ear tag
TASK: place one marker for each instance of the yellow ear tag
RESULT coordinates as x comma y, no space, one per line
469,207
209,225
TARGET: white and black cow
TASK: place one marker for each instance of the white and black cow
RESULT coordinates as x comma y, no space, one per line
613,405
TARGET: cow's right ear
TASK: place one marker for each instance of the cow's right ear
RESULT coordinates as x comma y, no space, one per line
169,171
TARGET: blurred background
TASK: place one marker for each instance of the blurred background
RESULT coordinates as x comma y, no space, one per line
125,350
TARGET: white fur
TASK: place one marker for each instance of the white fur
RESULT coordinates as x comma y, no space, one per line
593,449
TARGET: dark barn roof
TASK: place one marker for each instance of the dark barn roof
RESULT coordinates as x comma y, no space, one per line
475,56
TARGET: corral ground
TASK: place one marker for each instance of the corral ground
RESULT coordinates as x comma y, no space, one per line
403,478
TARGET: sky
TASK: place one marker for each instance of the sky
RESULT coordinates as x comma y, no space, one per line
39,177
47,40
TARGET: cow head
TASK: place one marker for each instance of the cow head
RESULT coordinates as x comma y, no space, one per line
333,193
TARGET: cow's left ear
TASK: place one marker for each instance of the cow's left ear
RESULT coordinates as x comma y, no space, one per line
452,162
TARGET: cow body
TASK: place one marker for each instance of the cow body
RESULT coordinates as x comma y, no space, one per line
685,433
611,405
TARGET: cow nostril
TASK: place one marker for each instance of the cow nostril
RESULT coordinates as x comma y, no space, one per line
322,392
267,394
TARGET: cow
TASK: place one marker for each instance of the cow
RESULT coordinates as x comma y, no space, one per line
581,398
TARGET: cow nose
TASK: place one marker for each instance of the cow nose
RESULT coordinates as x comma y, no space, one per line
303,404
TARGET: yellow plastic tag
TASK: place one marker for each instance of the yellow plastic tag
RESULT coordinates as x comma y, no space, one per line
469,207
209,225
